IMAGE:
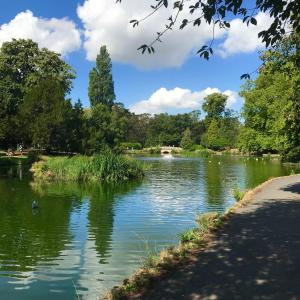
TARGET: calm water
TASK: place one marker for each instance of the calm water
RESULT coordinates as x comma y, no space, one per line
86,239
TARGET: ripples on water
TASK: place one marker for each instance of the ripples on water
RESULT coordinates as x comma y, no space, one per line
85,239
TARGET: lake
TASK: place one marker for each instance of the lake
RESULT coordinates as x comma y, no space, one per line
85,239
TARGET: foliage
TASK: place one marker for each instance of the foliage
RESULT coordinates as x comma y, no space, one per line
188,236
107,127
186,141
272,110
101,167
214,105
45,102
292,155
33,156
22,66
101,85
129,146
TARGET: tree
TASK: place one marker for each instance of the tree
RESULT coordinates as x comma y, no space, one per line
214,105
101,85
22,66
100,137
186,141
272,110
285,14
46,103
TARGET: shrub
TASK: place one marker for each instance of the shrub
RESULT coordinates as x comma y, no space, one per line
293,155
155,150
33,156
129,146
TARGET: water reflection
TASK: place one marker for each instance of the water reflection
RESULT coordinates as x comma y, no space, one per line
89,237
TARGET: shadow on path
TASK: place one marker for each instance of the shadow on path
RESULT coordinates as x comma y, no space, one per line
293,188
255,256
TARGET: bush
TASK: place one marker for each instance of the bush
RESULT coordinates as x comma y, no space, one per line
154,150
33,156
197,148
293,155
129,146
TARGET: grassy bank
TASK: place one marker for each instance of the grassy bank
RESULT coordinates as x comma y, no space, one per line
157,267
102,167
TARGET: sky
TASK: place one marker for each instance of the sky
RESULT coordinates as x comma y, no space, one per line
173,80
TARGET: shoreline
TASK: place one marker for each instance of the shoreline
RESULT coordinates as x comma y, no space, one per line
159,267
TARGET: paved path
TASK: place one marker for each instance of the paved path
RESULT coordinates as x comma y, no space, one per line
255,256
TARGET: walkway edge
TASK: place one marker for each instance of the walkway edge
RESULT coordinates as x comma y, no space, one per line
160,266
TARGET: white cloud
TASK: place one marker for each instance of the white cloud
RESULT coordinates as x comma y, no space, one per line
59,35
107,23
177,99
241,38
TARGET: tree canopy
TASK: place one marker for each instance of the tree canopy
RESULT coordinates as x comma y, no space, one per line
272,109
101,84
22,65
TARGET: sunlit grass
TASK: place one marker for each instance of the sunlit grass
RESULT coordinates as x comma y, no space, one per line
237,193
101,167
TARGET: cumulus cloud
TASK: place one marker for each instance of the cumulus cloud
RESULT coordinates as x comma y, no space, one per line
107,23
241,38
177,99
59,35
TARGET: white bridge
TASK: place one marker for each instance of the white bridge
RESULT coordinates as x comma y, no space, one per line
169,149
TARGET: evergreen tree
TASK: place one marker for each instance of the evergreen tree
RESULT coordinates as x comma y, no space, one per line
186,141
101,85
42,114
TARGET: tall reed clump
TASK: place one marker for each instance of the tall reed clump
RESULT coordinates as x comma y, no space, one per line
101,167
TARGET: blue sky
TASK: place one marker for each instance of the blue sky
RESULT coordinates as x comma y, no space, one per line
173,80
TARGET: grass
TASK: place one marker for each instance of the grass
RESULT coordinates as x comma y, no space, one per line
102,167
237,193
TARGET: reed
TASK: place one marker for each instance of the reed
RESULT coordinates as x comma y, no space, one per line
102,167
237,193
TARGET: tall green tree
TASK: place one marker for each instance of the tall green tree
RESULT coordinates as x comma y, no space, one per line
101,84
272,109
22,65
42,113
214,105
186,141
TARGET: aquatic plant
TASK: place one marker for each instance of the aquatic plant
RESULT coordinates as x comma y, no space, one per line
101,167
237,193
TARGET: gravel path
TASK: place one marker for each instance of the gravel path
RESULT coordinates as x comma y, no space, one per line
256,255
